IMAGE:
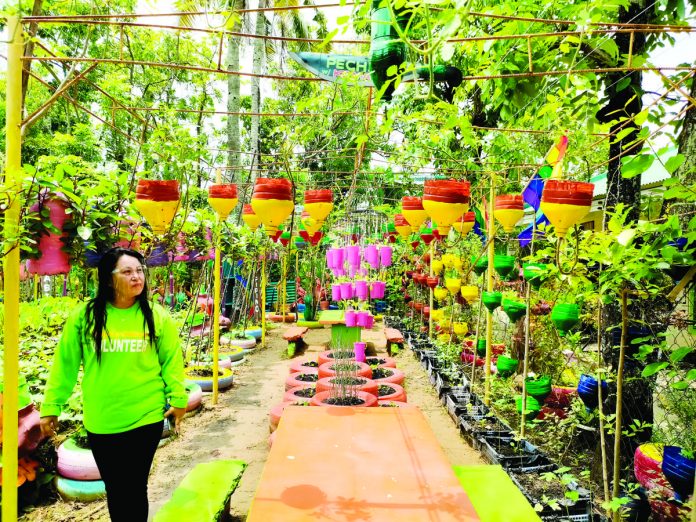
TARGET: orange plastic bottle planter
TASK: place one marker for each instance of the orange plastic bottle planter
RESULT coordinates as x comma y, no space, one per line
566,202
413,211
223,198
509,209
158,202
318,203
402,226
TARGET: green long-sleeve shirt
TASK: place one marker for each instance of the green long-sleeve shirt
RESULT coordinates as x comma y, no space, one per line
130,385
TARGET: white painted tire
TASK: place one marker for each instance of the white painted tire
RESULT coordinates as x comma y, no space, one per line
76,463
80,490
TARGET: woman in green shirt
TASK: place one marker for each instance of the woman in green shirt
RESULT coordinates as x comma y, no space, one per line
133,367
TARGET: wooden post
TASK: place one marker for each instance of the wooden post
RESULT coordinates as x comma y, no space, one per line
216,302
619,400
525,358
263,299
489,288
13,150
430,315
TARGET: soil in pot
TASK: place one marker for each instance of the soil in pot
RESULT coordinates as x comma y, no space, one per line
383,390
306,392
202,372
307,377
381,373
344,401
536,487
489,423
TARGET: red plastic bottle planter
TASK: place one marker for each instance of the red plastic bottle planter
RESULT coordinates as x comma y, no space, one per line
320,399
157,201
53,259
358,368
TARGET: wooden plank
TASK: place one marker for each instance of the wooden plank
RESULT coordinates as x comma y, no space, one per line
295,333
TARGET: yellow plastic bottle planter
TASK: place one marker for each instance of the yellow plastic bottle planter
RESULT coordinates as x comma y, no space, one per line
563,216
453,284
437,266
460,328
272,211
223,206
415,218
440,293
159,214
319,210
470,293
508,217
250,218
310,224
444,213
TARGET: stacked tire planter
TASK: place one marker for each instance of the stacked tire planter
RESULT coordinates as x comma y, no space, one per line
78,477
495,439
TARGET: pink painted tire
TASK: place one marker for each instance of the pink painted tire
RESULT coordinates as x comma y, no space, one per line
647,466
394,404
327,383
561,396
301,366
665,511
324,357
548,412
291,395
362,369
195,396
392,376
399,394
76,463
369,400
277,412
381,362
300,379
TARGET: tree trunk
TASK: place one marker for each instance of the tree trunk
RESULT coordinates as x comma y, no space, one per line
257,68
29,48
233,95
687,142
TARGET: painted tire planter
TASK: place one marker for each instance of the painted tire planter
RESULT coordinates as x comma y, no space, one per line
254,332
361,369
665,510
390,391
384,375
300,393
304,366
679,470
368,400
75,462
80,490
330,356
647,466
278,318
225,378
277,412
394,404
300,379
381,362
233,353
195,396
362,384
312,325
249,341
561,396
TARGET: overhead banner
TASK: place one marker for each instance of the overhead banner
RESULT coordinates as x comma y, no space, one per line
331,67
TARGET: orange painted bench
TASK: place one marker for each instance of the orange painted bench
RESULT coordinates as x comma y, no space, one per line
293,336
395,341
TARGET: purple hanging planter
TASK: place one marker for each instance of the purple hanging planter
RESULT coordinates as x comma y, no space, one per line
353,254
158,257
362,318
335,292
361,290
385,256
350,318
339,257
330,258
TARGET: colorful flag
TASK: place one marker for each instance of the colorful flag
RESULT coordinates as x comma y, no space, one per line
525,236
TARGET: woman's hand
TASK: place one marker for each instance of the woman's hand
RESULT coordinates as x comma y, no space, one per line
178,414
49,425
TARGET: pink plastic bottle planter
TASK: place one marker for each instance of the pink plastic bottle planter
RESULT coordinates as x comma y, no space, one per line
372,256
53,259
359,349
350,317
369,322
361,290
353,254
385,256
346,291
362,318
352,270
331,258
377,289
336,292
340,257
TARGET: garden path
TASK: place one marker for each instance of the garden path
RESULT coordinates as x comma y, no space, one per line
237,427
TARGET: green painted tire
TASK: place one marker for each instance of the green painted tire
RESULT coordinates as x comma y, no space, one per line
81,490
312,325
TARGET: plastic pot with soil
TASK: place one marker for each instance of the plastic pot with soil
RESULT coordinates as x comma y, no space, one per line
549,497
473,427
330,398
513,453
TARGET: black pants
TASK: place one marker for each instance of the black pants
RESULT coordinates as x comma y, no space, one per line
124,461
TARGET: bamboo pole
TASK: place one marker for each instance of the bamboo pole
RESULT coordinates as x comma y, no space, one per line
619,399
525,358
430,315
489,288
216,303
263,299
13,150
36,287
600,407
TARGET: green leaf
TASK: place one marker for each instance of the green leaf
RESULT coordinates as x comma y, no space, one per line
653,368
636,165
84,232
678,354
673,163
680,385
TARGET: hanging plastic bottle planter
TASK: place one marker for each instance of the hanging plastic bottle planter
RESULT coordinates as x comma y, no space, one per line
157,201
250,218
508,210
506,366
440,293
412,209
427,235
539,387
564,317
53,259
272,202
402,226
453,284
318,204
491,300
310,224
534,274
437,266
588,389
481,265
445,201
223,198
465,223
515,310
565,203
469,293
504,265
533,407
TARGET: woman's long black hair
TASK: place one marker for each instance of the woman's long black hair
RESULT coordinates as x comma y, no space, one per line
96,308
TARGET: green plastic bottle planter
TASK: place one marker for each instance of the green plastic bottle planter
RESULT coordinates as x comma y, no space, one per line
539,387
491,300
481,265
534,273
481,348
533,406
504,265
564,317
507,366
515,310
